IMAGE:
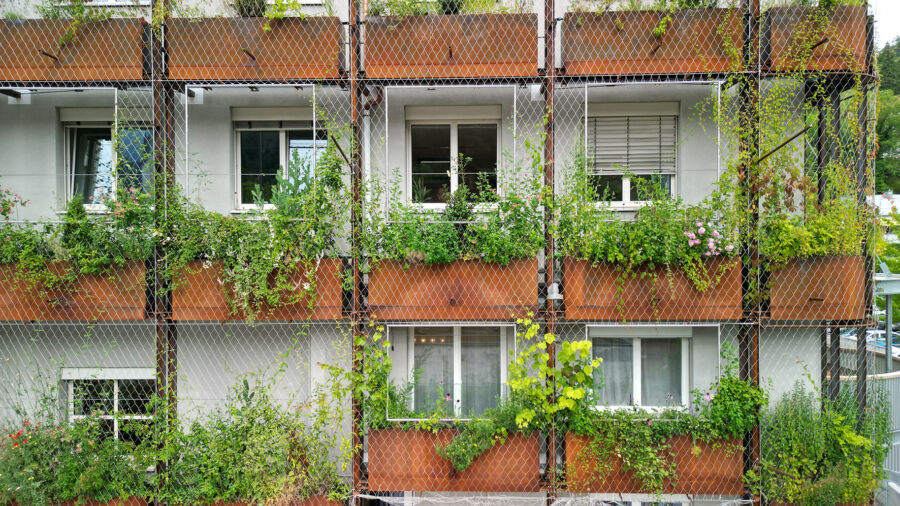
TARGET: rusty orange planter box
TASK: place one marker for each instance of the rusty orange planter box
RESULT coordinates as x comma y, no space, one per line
791,31
622,42
408,460
820,288
458,45
460,290
202,296
118,296
716,470
595,292
100,50
240,49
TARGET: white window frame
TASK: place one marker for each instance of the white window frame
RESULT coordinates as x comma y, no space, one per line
283,154
506,331
634,110
71,375
637,334
70,130
458,120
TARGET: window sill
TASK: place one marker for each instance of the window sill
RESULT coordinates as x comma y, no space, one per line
251,209
650,409
624,206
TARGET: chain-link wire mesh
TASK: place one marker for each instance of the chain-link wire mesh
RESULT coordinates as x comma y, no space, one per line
283,252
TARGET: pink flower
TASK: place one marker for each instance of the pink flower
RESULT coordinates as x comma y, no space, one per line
699,223
707,396
729,248
701,230
715,233
707,253
649,422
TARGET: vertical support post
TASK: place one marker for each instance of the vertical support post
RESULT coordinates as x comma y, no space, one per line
748,333
834,364
888,333
356,224
549,251
863,188
163,155
824,348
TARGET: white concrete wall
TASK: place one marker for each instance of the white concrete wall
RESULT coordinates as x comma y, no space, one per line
33,145
212,357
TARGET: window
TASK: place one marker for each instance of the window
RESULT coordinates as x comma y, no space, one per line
119,397
458,369
446,155
269,148
640,371
96,164
625,151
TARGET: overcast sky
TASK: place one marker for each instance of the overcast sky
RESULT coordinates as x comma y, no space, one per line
887,20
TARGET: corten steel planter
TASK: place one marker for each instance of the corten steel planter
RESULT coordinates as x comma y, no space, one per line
622,42
408,460
240,49
596,293
460,290
716,470
791,31
117,296
819,288
202,296
100,50
458,45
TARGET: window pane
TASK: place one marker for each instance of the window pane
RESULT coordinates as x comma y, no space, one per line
430,158
93,396
134,396
480,369
134,147
477,156
92,164
259,163
607,188
643,187
615,370
133,430
660,372
433,361
301,155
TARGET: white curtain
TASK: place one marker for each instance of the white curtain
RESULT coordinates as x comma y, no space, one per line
615,370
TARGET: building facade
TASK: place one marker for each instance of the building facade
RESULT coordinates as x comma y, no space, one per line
683,189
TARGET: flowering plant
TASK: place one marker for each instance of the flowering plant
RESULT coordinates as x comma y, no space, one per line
708,239
44,463
8,201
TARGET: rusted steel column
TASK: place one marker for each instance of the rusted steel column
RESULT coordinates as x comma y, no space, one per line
748,331
864,188
549,250
355,76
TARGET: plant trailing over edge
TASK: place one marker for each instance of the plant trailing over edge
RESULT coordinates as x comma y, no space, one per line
639,438
663,233
265,252
83,243
77,10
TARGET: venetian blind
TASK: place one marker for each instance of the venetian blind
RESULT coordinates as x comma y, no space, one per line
640,144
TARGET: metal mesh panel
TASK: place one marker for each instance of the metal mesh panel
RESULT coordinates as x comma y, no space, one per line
300,252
